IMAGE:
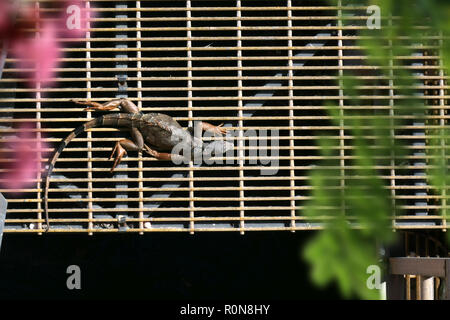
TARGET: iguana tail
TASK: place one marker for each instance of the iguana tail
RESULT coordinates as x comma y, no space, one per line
113,120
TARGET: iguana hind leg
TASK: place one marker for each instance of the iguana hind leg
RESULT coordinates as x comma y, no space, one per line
120,150
124,145
158,155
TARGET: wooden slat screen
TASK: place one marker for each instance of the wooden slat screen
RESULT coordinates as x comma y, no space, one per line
254,65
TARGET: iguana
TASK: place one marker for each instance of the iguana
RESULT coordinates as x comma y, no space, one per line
154,133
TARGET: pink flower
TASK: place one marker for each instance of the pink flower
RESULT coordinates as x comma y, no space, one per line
24,154
15,17
5,11
41,54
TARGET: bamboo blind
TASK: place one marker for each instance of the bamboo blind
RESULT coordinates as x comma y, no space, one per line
254,65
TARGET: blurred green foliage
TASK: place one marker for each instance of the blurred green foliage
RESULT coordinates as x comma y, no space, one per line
353,198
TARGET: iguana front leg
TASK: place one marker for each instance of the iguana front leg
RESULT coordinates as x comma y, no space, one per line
125,105
205,126
214,129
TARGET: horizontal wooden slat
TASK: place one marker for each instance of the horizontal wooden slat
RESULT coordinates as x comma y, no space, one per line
419,266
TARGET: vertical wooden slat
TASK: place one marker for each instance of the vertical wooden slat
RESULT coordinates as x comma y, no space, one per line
443,123
190,112
122,66
241,122
291,114
407,277
38,126
392,130
408,287
139,104
89,115
341,106
421,199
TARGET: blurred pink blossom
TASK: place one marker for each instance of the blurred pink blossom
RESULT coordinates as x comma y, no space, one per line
15,17
5,11
41,54
24,154
38,56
